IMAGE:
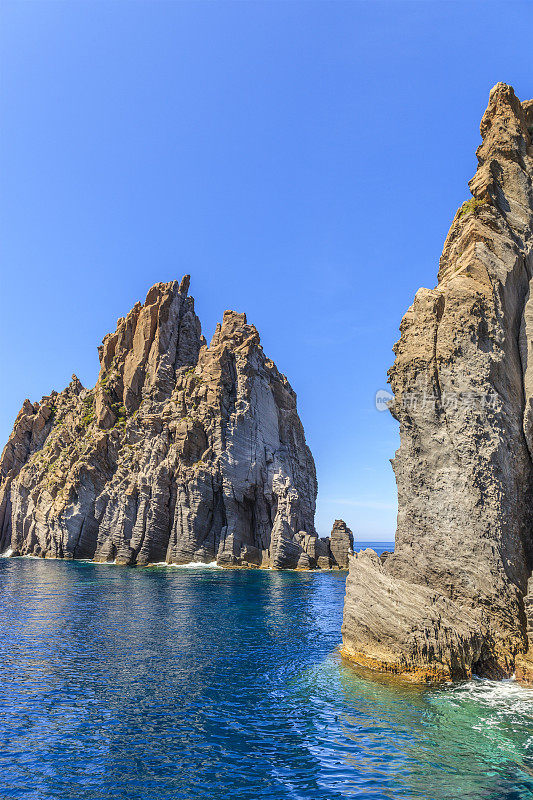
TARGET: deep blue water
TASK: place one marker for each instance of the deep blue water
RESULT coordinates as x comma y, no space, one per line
175,683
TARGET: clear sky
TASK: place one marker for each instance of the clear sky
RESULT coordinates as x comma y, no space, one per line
303,161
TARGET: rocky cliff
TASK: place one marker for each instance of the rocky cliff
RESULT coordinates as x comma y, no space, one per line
450,601
182,452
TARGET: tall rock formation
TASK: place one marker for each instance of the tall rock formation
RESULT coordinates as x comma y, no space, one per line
182,452
341,544
450,601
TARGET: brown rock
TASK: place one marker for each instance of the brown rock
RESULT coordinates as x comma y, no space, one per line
524,669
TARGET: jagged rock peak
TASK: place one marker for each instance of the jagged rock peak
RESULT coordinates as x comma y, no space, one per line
141,358
450,601
182,451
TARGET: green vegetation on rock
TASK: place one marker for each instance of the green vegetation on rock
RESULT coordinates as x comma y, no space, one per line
469,206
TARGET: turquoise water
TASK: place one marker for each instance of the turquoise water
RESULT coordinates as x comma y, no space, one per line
203,683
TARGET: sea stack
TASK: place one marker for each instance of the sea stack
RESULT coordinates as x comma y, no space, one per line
341,544
182,452
452,600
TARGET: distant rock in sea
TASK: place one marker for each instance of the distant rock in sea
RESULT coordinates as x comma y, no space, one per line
341,544
452,599
182,452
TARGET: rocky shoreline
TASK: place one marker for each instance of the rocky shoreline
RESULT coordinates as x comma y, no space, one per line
189,565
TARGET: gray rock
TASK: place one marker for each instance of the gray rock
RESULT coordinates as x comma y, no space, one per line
182,452
341,544
450,601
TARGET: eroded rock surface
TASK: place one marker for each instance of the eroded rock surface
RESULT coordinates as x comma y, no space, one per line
182,452
450,600
524,661
341,544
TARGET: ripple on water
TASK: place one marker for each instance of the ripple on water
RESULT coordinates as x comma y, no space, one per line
195,683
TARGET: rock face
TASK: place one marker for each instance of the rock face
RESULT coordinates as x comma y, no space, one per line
524,662
341,544
331,552
450,601
182,452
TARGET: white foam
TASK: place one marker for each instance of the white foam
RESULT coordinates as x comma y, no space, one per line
190,565
503,697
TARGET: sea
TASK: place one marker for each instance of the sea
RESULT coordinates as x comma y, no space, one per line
181,683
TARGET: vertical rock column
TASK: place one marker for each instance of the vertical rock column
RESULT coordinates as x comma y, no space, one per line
449,601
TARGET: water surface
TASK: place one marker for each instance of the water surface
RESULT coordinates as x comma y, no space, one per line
168,683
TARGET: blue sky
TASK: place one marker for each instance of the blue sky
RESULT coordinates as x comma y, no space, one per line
302,160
